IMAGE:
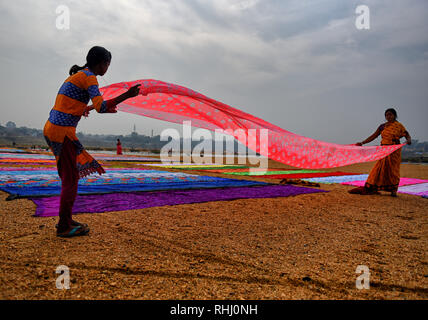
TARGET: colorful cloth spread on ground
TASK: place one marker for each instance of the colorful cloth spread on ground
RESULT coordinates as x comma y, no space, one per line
338,179
281,174
47,207
174,164
309,175
36,160
403,182
48,183
51,168
28,156
98,156
179,165
275,172
170,102
203,168
25,166
416,189
254,169
124,158
14,175
11,150
26,159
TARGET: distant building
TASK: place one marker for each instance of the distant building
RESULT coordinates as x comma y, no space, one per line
10,125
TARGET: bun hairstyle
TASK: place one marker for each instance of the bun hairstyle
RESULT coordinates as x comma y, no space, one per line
95,56
392,110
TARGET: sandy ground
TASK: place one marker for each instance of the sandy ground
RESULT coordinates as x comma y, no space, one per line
304,247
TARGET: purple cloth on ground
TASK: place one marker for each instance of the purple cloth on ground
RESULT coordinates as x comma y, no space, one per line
47,207
403,182
420,189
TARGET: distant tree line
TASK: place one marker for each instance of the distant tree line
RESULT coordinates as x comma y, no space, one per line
10,135
416,152
131,141
416,146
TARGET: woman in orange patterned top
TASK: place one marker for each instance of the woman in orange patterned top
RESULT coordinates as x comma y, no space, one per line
73,162
385,175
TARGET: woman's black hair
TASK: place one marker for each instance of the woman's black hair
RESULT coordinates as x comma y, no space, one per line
392,110
96,55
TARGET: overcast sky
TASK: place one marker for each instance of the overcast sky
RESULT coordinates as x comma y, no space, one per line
300,64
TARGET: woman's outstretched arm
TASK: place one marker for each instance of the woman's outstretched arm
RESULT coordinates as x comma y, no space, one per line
111,104
132,92
371,138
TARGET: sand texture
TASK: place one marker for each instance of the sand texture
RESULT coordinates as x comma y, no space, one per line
303,247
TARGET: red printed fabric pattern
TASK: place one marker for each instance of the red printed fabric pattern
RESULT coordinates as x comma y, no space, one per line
174,103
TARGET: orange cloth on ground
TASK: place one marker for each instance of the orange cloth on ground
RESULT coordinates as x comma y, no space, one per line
385,175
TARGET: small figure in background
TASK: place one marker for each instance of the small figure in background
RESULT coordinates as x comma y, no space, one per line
119,147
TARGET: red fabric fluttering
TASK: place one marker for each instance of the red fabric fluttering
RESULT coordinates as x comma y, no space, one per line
174,103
